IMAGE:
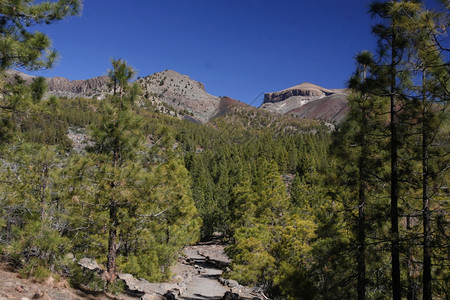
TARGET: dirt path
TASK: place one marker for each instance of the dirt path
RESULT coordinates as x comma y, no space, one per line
201,272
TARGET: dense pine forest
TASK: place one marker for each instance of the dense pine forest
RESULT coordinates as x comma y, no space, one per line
306,211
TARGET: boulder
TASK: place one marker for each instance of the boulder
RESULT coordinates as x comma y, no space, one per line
89,264
136,286
232,283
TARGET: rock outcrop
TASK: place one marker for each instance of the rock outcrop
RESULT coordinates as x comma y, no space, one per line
178,93
308,101
96,87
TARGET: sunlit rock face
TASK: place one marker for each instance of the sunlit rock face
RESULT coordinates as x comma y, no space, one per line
308,101
180,93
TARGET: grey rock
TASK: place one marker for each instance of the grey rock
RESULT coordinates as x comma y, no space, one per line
152,296
142,286
232,283
89,264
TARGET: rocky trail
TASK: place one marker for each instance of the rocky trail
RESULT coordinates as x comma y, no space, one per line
197,276
206,263
200,271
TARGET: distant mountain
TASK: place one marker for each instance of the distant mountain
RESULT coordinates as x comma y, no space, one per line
308,101
96,87
178,95
332,109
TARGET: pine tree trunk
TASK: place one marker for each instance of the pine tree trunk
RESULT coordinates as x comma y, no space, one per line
395,245
361,252
412,290
426,218
112,239
361,246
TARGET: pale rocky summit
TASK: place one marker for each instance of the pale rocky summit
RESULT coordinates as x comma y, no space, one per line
307,95
180,93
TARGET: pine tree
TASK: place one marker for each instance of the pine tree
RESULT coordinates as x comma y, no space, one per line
261,213
120,76
406,32
357,134
424,30
38,89
389,78
21,47
117,139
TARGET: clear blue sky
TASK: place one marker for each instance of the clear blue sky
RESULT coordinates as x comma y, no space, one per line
237,48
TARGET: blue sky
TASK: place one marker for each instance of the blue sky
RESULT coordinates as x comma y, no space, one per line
237,48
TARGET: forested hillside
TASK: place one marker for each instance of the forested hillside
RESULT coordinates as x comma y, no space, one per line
306,212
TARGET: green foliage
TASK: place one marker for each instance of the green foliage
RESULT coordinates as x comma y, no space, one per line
79,112
21,47
119,77
85,278
38,88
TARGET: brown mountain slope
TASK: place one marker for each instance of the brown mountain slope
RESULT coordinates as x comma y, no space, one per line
331,109
229,105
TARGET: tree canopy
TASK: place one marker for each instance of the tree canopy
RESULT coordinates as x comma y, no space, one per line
22,47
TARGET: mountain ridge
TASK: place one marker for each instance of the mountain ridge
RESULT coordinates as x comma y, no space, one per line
179,95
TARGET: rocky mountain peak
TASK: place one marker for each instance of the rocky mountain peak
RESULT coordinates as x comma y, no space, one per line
294,97
303,92
180,93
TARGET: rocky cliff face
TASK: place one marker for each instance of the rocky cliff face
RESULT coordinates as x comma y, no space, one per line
96,87
302,91
180,93
307,95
